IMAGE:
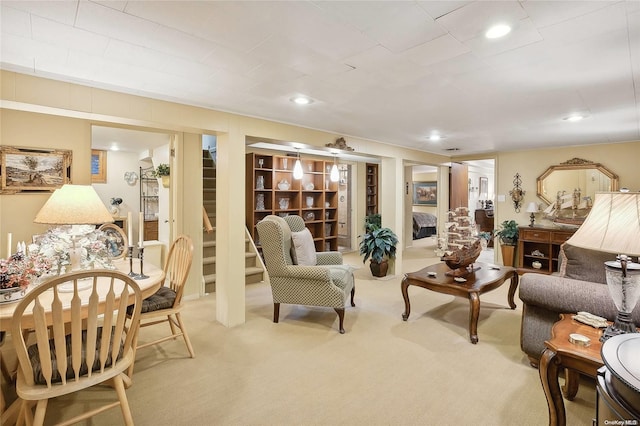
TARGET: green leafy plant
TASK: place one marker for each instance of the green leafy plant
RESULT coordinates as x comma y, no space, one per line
507,232
162,170
485,235
377,244
372,222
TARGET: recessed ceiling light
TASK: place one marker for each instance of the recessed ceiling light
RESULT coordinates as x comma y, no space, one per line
435,137
115,148
574,118
301,100
498,31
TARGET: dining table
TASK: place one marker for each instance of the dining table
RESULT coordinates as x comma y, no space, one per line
154,279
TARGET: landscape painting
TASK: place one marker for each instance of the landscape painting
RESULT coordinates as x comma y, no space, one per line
425,193
32,169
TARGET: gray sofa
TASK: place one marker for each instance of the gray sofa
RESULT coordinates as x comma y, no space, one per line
580,285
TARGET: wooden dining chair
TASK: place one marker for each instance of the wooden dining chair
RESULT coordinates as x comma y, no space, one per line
83,338
166,303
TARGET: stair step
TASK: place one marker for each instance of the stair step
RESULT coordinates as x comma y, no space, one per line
248,271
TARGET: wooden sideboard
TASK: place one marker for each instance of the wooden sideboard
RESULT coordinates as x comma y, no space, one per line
540,244
484,219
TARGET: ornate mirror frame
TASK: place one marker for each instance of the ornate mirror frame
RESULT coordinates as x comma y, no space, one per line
574,164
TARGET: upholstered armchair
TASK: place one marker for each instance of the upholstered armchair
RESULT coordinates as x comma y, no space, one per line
298,274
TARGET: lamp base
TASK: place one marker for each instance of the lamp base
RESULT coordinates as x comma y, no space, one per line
532,220
622,325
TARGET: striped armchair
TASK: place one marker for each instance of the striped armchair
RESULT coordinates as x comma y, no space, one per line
326,284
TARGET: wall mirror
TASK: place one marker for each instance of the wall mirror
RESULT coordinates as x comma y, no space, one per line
570,187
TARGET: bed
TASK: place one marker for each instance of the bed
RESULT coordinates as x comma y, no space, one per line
424,225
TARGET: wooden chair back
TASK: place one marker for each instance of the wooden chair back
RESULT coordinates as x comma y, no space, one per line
81,327
178,264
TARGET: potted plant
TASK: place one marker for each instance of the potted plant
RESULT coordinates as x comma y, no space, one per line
507,233
485,237
379,244
163,171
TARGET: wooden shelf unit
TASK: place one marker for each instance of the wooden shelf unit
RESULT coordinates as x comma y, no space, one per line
314,197
546,241
149,202
372,188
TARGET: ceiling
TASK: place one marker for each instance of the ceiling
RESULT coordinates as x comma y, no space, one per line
391,71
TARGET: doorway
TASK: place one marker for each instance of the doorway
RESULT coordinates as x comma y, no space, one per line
344,208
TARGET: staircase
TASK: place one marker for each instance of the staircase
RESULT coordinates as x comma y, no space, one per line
253,266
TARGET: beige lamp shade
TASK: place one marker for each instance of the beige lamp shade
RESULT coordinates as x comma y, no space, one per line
613,224
532,207
74,205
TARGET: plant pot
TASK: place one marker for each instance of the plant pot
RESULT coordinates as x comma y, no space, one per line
379,269
165,181
508,253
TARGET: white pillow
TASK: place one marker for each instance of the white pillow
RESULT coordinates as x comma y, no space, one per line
304,248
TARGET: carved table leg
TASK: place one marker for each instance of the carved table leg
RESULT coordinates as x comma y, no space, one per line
474,312
405,295
549,366
512,289
571,383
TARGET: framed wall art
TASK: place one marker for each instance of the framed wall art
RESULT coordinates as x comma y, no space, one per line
98,166
483,190
425,193
33,169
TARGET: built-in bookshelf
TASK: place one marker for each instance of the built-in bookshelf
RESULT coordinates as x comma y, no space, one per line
372,188
271,189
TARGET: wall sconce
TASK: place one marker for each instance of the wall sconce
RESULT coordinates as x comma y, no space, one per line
517,193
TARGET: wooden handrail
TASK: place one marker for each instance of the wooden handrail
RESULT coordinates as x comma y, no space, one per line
206,222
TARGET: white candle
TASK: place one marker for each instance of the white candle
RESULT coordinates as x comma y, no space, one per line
9,236
130,229
141,230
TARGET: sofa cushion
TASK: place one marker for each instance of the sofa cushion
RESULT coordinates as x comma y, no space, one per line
304,250
583,264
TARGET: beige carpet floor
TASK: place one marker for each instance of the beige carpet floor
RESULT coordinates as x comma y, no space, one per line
383,371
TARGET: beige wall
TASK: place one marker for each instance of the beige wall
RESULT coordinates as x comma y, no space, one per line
45,113
621,158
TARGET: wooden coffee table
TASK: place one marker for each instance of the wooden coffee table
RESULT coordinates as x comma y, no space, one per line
561,354
477,282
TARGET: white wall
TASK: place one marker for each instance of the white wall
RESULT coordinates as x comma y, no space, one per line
119,162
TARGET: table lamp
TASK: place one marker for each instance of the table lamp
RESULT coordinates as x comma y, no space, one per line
613,226
74,205
533,209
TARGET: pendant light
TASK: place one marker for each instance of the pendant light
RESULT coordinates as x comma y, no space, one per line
335,175
297,168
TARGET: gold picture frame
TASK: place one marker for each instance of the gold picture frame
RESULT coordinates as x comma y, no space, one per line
33,169
98,166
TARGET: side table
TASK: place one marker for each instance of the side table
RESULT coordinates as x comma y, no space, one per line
561,353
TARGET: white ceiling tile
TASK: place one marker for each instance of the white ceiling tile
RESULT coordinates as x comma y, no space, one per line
522,34
113,4
545,13
63,11
363,15
436,9
273,73
405,30
587,26
46,30
233,61
15,22
370,58
438,50
474,19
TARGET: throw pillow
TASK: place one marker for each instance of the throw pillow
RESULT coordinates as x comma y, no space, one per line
304,249
586,265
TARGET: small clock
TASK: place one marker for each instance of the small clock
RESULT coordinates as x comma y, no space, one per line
131,178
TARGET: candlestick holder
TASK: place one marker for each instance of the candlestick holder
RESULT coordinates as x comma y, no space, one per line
141,276
130,254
